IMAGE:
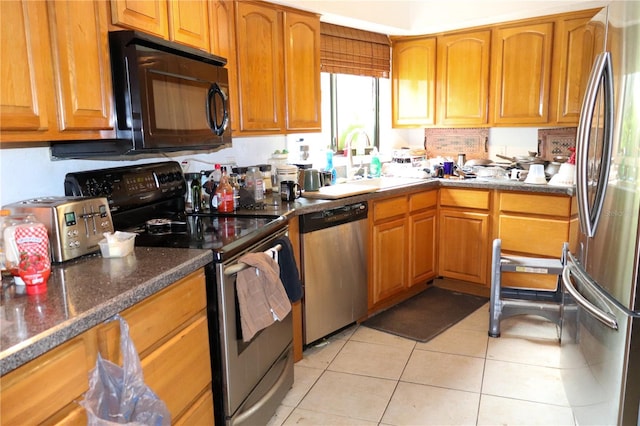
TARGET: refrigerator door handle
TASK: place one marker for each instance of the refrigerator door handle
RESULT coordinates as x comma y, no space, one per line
600,73
606,318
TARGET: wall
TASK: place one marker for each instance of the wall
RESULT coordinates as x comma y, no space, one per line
27,173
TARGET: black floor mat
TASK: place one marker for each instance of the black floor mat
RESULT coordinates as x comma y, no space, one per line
427,314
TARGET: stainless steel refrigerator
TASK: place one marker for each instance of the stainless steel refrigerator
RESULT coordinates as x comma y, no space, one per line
600,356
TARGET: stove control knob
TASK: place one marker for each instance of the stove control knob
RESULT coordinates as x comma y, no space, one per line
93,187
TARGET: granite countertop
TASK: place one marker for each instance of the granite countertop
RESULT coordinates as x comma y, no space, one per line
83,293
304,205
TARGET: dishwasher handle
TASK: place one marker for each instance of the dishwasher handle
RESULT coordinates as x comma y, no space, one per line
333,217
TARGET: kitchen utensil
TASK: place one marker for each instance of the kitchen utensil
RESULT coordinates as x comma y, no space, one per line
552,168
311,180
285,172
536,175
478,162
448,167
75,224
289,190
326,177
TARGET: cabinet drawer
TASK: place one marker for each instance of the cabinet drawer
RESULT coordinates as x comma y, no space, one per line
388,208
200,413
465,198
423,200
180,370
156,317
42,387
547,205
533,236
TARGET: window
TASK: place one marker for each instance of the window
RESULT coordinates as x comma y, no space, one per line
354,111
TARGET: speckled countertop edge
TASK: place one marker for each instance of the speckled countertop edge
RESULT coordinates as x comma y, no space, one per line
167,272
190,260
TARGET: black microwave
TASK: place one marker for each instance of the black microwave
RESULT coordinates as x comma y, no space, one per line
167,97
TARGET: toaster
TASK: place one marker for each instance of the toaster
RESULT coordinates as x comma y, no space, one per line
75,224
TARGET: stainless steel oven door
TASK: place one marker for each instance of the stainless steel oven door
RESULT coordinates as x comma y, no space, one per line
256,374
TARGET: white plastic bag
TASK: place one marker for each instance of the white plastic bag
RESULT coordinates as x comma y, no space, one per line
118,395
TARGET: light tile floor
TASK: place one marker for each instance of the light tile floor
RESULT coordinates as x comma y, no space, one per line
462,377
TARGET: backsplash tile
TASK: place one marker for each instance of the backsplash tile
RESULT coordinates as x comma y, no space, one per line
554,142
451,142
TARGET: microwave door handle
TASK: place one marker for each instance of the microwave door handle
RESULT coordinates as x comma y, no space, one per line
605,318
212,115
601,72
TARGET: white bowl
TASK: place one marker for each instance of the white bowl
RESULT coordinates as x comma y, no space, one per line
120,245
536,180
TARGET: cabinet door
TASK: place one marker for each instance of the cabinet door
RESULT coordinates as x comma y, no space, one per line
223,43
189,23
260,59
575,50
389,259
463,245
302,71
80,51
413,82
149,16
463,78
50,384
26,98
422,247
521,70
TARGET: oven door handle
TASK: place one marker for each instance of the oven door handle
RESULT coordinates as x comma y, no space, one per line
242,417
234,269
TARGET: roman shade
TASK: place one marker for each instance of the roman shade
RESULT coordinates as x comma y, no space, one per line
345,50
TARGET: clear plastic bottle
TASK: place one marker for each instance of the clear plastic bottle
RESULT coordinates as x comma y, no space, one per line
224,194
376,165
27,252
330,168
265,169
253,184
216,174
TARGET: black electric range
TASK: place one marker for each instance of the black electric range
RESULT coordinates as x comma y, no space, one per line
149,200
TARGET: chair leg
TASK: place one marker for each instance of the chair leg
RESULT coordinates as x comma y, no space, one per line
495,304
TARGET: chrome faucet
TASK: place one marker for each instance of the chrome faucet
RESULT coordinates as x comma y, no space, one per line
351,140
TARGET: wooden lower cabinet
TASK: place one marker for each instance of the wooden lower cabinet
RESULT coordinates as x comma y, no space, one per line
389,242
535,225
48,386
170,332
464,245
402,253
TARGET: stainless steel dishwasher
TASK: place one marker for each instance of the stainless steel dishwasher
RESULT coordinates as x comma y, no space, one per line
334,272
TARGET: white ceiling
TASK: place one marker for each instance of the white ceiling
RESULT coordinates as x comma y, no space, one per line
413,17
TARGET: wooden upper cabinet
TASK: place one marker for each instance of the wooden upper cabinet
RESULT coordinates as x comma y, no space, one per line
521,73
260,58
149,16
56,72
26,94
80,52
302,71
413,79
189,23
223,43
463,78
575,50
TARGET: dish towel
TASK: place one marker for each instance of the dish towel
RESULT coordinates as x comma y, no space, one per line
261,295
289,274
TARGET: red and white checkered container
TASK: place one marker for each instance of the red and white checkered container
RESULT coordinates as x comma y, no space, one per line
34,266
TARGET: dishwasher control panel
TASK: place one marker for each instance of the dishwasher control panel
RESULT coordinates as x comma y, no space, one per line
333,217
